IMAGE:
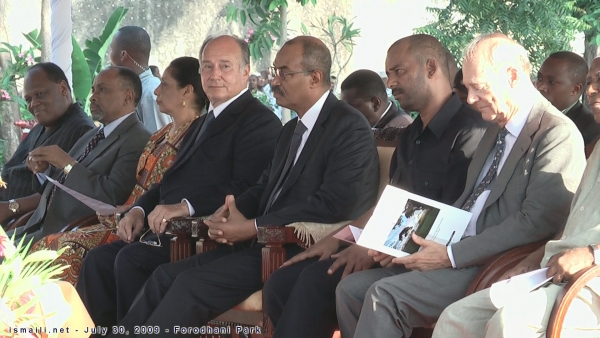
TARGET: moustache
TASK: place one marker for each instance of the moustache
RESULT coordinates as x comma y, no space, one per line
397,91
278,90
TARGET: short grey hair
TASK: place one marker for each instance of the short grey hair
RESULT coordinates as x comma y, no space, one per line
498,51
245,49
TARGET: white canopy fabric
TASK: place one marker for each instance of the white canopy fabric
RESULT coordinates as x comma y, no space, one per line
61,27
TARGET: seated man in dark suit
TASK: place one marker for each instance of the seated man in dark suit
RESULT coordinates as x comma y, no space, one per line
223,153
519,187
561,79
300,297
60,121
324,170
100,165
365,91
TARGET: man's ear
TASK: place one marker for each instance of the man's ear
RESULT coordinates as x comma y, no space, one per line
431,66
129,96
513,77
577,89
64,89
376,103
316,78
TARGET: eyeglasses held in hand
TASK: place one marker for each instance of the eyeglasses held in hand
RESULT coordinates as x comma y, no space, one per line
150,242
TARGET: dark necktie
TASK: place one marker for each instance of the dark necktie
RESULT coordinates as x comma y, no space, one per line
289,163
207,122
491,173
90,146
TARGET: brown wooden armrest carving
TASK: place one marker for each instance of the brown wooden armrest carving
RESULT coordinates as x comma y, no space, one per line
187,230
19,222
82,222
273,254
497,265
565,298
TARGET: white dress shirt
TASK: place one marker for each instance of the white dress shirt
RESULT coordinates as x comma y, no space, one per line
309,119
514,128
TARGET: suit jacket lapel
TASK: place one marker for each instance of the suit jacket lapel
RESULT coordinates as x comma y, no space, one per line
311,143
121,128
225,119
486,145
520,147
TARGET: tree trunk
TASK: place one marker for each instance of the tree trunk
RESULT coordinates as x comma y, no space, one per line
9,111
45,33
286,115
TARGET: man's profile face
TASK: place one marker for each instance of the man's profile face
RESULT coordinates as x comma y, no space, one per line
485,92
556,84
108,97
45,98
222,78
290,90
353,98
406,78
593,88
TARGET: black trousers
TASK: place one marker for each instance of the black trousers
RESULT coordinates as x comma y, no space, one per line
112,275
191,292
300,299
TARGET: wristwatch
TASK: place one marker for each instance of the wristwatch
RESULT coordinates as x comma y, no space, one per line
13,206
596,252
67,169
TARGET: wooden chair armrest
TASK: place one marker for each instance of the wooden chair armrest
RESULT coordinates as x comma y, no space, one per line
498,264
565,298
82,222
273,254
19,222
191,237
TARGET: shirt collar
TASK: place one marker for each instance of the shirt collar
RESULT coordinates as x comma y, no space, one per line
109,128
570,107
312,114
441,120
517,122
146,74
219,109
385,112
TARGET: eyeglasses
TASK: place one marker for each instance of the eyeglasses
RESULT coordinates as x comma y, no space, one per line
149,242
274,71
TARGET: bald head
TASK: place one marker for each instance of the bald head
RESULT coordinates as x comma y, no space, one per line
498,51
135,40
424,47
315,56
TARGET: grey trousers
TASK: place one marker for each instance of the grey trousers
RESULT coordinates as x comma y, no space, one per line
524,315
390,302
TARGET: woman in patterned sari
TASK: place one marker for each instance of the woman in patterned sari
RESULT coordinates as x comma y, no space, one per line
179,95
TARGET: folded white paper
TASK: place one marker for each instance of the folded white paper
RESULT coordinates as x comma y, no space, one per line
399,214
517,286
101,208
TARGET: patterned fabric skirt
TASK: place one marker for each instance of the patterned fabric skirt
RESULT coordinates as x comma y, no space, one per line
77,243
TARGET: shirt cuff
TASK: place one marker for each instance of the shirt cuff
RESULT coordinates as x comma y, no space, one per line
190,207
255,226
142,209
451,256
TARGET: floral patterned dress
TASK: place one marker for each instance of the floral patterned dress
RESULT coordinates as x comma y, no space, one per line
158,156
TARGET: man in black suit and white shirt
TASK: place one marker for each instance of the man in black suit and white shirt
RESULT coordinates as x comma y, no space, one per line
325,170
223,153
561,80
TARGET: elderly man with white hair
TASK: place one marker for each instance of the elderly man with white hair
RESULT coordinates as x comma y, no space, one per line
519,186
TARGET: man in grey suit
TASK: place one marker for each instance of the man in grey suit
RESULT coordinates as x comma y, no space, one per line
101,165
519,187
